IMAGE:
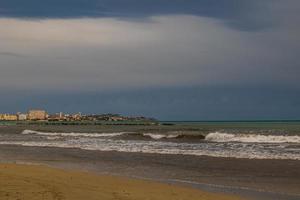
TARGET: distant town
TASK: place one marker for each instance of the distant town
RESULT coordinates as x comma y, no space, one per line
42,115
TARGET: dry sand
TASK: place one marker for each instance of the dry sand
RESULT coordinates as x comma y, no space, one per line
30,182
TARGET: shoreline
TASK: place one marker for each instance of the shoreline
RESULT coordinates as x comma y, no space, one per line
42,182
256,179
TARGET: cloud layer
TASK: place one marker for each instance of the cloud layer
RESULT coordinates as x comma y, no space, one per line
238,13
112,45
164,51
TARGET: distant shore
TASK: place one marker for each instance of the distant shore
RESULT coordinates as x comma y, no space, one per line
30,182
79,123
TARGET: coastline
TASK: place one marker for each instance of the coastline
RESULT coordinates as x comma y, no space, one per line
248,178
42,182
252,178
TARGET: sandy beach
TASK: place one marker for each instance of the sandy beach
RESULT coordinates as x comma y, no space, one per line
29,182
251,179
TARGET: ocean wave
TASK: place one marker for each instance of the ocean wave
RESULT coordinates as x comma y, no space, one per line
124,135
249,151
251,138
72,134
219,137
159,136
156,136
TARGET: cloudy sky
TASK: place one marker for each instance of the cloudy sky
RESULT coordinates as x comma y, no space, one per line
169,59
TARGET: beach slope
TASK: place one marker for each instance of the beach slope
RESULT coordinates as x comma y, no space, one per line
39,182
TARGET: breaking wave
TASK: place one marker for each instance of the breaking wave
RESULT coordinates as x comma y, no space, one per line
251,138
27,132
218,137
233,150
216,144
173,136
129,135
158,136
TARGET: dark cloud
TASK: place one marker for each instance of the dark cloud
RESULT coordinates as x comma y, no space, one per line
189,103
79,54
242,14
209,59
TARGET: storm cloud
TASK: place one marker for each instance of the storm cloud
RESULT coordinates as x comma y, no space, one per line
240,14
100,45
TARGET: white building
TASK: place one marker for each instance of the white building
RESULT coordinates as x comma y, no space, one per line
22,117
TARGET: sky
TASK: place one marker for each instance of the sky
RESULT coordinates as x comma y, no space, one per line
167,59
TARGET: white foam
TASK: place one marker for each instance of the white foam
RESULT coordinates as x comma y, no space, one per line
234,150
72,134
251,138
53,137
159,136
222,144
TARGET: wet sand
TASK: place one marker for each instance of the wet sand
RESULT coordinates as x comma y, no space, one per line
31,182
254,179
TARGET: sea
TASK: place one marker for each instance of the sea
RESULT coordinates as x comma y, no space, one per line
252,140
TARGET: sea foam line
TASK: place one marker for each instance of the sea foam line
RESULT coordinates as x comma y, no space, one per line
156,148
154,136
251,138
72,134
